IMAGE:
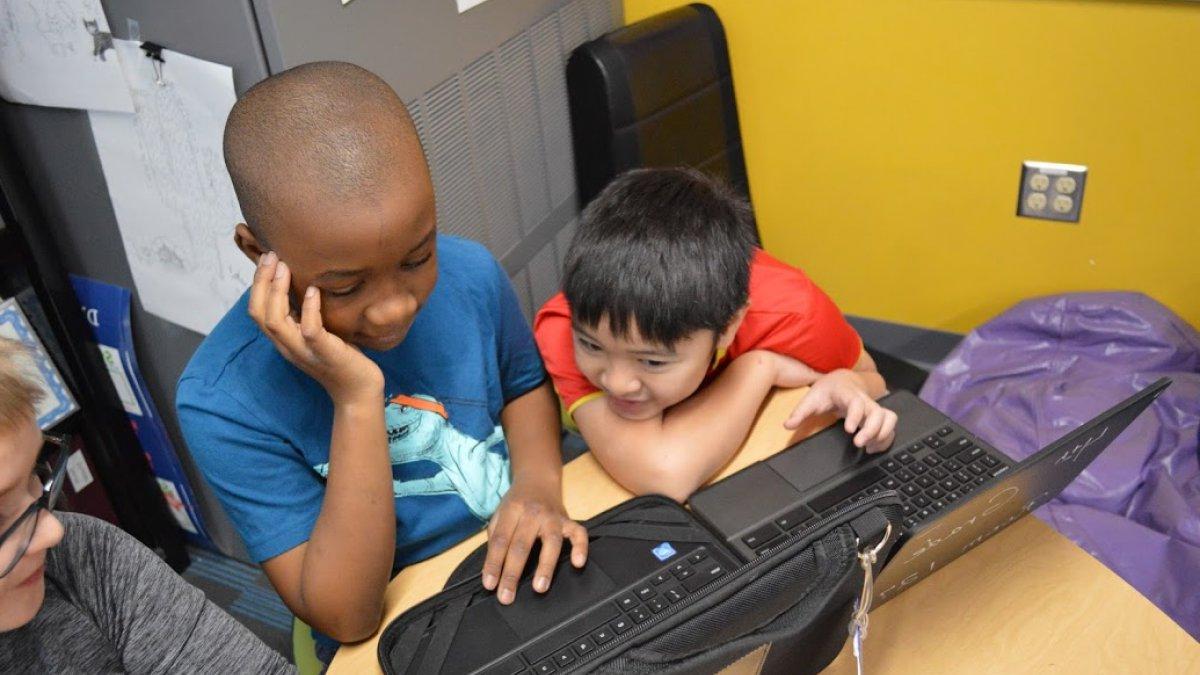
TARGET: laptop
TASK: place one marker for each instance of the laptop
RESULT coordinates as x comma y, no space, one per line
957,489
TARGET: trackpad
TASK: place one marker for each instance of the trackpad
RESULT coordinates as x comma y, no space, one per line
572,591
817,458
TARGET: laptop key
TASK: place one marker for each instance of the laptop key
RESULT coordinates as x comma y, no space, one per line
951,497
980,480
990,461
935,492
918,468
905,476
621,624
963,476
978,469
848,487
675,594
923,514
545,667
656,605
932,459
603,635
890,484
951,465
910,522
704,575
627,602
924,481
921,500
938,473
970,455
948,484
947,450
645,592
761,536
660,578
910,490
583,646
937,506
907,509
891,465
945,431
905,458
639,614
697,555
916,447
564,657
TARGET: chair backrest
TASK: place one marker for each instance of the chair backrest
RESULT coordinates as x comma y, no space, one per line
658,92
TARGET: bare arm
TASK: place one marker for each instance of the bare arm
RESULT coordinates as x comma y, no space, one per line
676,453
334,581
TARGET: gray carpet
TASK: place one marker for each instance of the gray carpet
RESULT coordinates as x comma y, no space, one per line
244,592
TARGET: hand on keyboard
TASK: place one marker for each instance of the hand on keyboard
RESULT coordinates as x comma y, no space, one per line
873,426
526,515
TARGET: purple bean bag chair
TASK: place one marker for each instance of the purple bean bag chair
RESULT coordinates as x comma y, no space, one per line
1038,370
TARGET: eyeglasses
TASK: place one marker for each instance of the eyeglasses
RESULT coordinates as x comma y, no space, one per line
15,541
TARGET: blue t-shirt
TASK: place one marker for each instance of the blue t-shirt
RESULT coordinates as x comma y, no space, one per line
259,428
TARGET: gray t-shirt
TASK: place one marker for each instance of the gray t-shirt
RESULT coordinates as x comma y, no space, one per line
113,606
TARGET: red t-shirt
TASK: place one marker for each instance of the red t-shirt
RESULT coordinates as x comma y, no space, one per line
788,314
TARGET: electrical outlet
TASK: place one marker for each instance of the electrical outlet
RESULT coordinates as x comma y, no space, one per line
1051,191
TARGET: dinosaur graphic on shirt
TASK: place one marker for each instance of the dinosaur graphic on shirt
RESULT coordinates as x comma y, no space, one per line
419,429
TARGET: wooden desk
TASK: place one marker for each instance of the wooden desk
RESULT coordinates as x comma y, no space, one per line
1027,600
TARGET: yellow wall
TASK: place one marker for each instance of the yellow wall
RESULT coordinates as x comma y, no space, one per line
884,142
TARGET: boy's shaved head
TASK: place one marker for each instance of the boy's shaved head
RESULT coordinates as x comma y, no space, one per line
320,131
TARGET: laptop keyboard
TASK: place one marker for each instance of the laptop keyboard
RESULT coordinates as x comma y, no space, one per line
929,475
672,583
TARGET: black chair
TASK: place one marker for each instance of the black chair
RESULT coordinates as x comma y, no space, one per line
659,92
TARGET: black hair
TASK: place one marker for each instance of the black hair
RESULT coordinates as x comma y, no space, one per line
664,250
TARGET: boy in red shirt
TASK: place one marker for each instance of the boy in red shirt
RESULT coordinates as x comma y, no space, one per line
673,326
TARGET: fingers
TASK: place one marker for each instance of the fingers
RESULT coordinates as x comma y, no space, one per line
579,542
813,403
518,554
548,559
871,426
887,433
261,286
854,415
500,533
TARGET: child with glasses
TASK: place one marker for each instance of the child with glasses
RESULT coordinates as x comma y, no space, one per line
79,595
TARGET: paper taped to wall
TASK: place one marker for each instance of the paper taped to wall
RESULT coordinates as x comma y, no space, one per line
59,53
172,196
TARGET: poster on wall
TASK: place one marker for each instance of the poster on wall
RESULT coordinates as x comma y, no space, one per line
59,53
170,191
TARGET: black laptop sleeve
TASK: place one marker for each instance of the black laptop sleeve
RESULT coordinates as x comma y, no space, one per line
798,597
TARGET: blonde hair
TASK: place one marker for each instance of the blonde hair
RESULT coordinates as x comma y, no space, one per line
19,394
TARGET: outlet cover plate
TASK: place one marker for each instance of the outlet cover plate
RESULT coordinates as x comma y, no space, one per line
1051,191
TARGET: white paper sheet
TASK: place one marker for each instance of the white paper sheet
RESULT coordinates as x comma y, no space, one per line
56,53
172,196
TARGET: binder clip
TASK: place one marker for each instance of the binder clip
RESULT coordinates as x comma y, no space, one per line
154,53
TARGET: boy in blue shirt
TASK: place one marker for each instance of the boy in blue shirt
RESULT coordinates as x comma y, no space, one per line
376,396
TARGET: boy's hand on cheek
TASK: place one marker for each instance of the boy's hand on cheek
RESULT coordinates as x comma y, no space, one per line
843,391
345,373
528,514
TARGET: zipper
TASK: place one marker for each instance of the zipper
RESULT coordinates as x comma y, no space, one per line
861,505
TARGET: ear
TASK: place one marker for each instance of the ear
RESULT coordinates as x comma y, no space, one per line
250,245
726,337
